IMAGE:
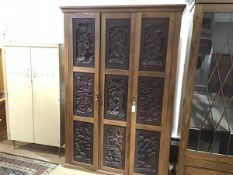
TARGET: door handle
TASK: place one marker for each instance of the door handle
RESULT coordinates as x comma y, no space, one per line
34,73
133,108
28,72
97,97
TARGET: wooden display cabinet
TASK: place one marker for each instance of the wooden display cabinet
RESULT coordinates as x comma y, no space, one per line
207,130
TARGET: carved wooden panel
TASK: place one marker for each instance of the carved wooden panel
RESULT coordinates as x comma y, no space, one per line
84,42
114,146
116,97
154,40
83,94
150,100
147,152
83,142
117,43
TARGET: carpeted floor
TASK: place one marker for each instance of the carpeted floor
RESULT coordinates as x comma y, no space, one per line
18,165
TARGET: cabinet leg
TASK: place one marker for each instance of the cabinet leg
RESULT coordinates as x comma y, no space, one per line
59,151
14,144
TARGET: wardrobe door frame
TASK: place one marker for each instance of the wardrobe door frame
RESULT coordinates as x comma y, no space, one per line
109,71
188,158
69,69
169,88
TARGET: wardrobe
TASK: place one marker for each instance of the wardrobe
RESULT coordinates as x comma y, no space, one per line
120,75
34,104
206,145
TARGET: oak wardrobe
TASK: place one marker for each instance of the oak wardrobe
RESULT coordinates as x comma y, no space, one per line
207,130
120,80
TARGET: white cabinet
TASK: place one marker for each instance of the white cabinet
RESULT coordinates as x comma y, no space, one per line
33,94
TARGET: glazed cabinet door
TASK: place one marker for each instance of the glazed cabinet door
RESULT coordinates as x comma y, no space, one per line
152,65
116,83
82,94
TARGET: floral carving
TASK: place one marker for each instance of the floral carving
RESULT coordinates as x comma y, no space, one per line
84,41
154,44
116,89
114,147
118,43
83,142
150,100
83,94
147,152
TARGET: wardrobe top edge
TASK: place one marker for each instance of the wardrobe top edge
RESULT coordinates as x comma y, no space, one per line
209,1
126,8
41,45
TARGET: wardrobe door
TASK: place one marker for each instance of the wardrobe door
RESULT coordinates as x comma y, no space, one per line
150,93
83,91
46,94
116,77
19,94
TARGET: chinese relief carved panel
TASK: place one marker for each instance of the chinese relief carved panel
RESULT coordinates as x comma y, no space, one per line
84,42
116,96
147,152
114,146
154,39
117,43
150,100
83,142
83,94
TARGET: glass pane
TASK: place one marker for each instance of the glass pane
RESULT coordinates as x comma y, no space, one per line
84,42
114,146
154,39
116,97
83,92
83,142
212,107
117,43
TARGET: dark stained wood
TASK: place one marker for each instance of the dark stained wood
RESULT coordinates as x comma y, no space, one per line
117,43
83,42
116,96
116,80
83,94
154,38
147,152
83,142
114,146
150,99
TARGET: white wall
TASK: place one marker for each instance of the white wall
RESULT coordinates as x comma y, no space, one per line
38,21
182,65
41,21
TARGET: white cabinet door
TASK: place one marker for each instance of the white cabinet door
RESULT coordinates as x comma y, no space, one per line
19,89
46,90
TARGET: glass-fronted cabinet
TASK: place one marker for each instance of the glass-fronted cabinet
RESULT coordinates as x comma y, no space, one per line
207,129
